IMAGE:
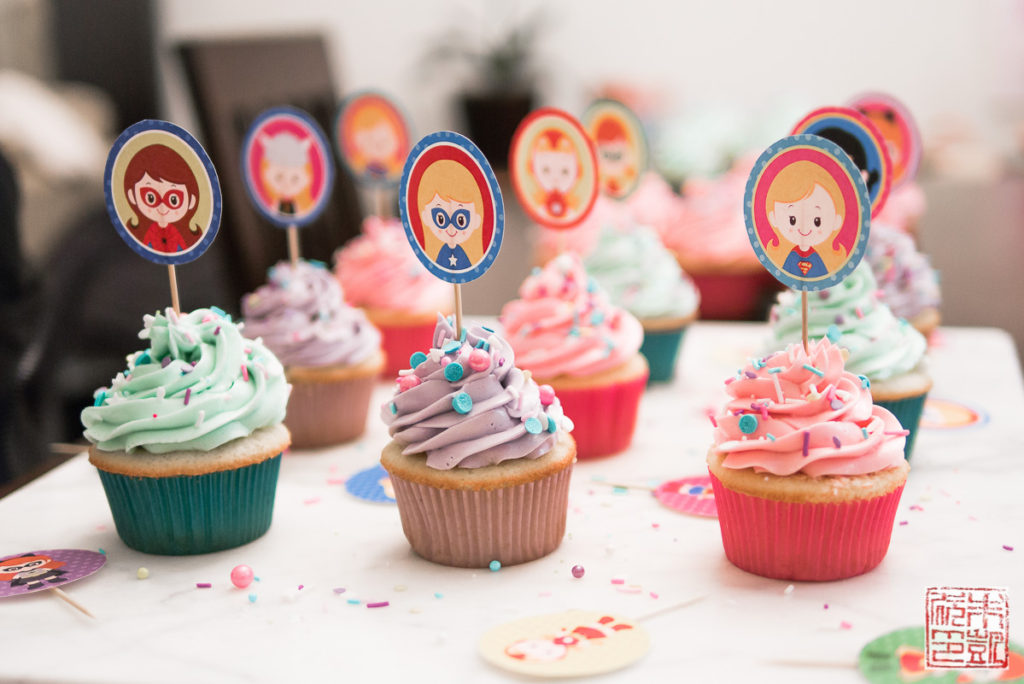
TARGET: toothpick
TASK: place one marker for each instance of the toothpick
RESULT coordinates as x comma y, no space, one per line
293,245
675,606
173,277
59,593
458,309
66,448
803,317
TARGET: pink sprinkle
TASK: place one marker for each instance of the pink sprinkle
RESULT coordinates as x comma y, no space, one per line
216,330
860,314
728,381
188,393
407,382
203,585
653,595
826,606
1007,547
655,525
547,394
312,500
618,581
903,522
714,423
245,373
378,604
301,586
807,443
845,625
207,318
915,507
897,433
335,480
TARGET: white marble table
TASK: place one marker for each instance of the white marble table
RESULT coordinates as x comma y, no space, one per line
967,481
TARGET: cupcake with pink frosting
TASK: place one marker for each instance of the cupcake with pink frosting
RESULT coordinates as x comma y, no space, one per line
330,351
566,332
807,471
904,208
381,275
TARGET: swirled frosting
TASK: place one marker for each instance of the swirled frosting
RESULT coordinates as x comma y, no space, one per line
466,405
881,346
377,270
655,204
563,323
795,411
198,385
302,317
904,206
909,283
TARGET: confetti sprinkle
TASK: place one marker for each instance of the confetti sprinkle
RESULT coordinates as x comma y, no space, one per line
494,565
578,571
378,604
338,590
203,585
1007,547
143,573
252,598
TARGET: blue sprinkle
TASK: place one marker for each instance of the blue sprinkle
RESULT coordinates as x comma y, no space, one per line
252,598
574,332
101,397
416,359
317,263
494,565
533,426
775,370
220,312
864,382
770,436
864,431
143,358
438,595
103,551
462,337
833,334
462,403
748,424
352,602
483,344
453,371
591,285
814,370
596,317
552,426
487,329
394,409
451,346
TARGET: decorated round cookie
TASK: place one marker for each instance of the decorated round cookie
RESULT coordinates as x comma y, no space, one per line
860,140
371,136
621,146
554,168
899,131
287,167
451,207
24,573
807,212
691,495
162,192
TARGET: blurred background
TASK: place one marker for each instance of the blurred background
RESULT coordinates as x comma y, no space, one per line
711,81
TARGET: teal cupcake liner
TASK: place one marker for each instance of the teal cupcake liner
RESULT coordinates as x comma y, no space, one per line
908,412
661,349
189,514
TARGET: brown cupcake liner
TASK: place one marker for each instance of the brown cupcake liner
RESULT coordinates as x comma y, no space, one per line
326,413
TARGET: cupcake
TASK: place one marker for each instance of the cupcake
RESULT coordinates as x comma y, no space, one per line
188,439
655,204
807,472
566,332
480,456
380,274
909,284
904,208
887,351
331,353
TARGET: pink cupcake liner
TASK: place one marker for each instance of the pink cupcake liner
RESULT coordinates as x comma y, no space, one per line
470,528
604,417
324,413
804,541
402,341
733,296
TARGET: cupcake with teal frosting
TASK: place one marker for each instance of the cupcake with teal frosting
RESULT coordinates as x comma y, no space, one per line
885,351
188,439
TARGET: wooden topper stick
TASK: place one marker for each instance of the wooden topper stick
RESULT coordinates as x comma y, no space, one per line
293,245
803,317
64,597
458,309
173,277
380,203
675,606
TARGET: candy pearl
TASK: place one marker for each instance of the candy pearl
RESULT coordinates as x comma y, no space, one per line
547,395
416,359
407,382
453,371
445,361
495,565
578,571
748,424
241,576
479,360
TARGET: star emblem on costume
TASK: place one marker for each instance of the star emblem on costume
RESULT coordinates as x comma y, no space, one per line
452,260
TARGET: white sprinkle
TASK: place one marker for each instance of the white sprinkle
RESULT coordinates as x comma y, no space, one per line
778,388
202,416
788,590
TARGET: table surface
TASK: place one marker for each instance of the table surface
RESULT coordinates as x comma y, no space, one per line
962,487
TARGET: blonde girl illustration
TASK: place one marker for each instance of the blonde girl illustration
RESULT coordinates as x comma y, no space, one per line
617,160
374,138
163,191
805,206
555,166
558,647
286,172
451,207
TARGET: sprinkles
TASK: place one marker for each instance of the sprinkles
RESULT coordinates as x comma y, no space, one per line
462,403
807,443
188,394
835,440
814,370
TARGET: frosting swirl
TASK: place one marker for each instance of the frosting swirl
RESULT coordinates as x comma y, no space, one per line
904,206
466,405
909,283
881,346
563,323
797,411
301,316
200,384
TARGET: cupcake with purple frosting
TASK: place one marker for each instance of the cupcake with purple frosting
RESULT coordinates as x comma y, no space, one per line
480,456
330,351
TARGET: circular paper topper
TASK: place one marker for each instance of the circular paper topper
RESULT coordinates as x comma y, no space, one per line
24,573
621,146
287,167
861,140
807,212
162,192
943,414
899,131
371,135
554,168
451,207
575,643
693,495
372,484
899,656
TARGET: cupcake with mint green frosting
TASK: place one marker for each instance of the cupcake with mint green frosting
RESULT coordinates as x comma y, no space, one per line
632,265
188,439
884,350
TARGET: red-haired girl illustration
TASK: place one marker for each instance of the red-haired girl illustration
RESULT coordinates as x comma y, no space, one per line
163,191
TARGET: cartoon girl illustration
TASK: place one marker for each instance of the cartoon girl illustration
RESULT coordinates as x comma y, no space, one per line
164,191
556,168
32,571
552,648
452,214
912,668
375,139
616,157
286,172
805,206
855,149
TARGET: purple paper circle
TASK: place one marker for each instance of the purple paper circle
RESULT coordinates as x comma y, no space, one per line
41,570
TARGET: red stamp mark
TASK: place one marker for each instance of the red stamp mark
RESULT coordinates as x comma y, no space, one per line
966,627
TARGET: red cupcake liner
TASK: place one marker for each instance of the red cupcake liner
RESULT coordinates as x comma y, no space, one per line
804,541
733,297
604,417
399,342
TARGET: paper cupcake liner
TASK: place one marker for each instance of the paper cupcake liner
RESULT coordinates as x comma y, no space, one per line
731,297
399,342
661,348
804,541
604,417
470,528
326,413
190,514
908,412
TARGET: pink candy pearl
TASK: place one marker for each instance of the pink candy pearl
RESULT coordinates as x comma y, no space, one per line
547,394
445,361
407,382
479,360
241,576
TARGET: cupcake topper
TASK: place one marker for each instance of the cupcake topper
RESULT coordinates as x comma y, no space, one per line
162,195
618,137
899,132
807,213
25,573
371,137
861,140
287,168
554,168
452,210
